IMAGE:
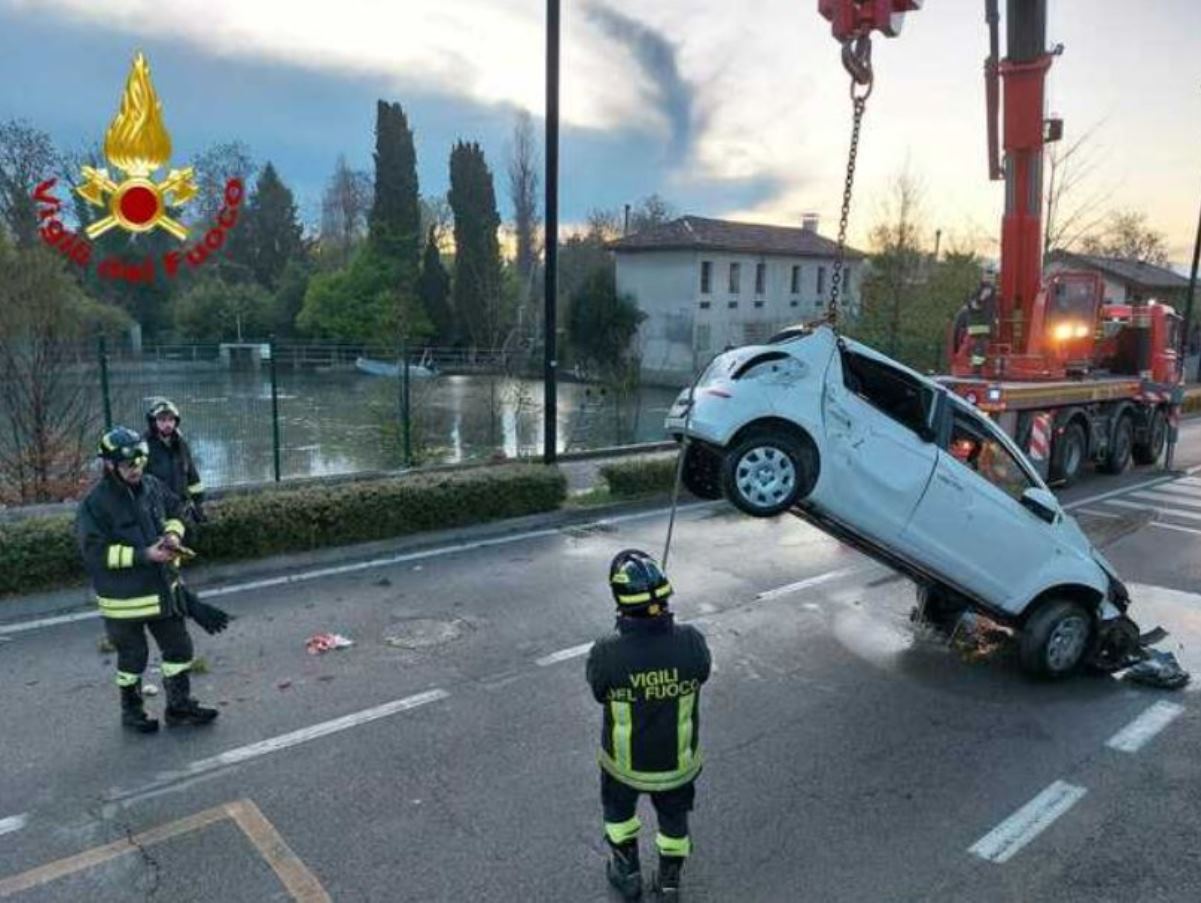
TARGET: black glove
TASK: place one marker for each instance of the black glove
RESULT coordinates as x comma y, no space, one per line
210,618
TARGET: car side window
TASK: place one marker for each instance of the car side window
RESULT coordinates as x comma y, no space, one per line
893,391
973,445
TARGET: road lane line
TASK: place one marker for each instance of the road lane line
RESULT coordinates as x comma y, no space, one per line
1139,732
1170,498
276,744
1160,509
1093,513
1177,488
1003,842
288,867
563,655
337,570
13,823
1176,527
806,583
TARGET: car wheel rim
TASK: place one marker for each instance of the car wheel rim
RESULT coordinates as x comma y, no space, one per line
1066,643
764,476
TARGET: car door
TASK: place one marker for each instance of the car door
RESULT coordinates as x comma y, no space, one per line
970,526
876,465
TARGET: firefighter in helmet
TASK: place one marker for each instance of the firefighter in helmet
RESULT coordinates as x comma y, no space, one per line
130,533
171,458
648,675
981,317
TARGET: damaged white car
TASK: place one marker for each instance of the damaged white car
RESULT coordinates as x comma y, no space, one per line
891,463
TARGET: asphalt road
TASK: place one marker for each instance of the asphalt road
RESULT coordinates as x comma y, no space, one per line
449,754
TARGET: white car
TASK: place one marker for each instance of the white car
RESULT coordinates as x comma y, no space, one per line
893,464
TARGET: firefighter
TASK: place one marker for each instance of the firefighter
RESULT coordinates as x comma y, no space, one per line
130,534
171,458
647,674
981,316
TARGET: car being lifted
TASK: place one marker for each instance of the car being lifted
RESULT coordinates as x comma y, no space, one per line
899,467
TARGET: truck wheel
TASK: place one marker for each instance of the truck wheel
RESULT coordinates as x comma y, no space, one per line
766,473
702,471
1117,458
1068,456
1055,639
1148,452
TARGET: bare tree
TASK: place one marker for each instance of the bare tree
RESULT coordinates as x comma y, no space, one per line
523,194
27,156
214,168
1070,214
652,210
344,207
1127,236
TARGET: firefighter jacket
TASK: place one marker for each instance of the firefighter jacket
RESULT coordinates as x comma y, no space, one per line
648,676
981,314
114,526
171,462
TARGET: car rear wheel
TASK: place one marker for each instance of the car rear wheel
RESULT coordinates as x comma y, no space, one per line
768,472
1069,454
1056,639
1148,452
1117,459
702,471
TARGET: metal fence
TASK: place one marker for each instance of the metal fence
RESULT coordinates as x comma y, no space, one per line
262,411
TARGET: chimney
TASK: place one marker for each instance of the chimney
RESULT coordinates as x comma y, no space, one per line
809,222
625,228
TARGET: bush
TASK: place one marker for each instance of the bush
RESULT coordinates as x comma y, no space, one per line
40,553
640,476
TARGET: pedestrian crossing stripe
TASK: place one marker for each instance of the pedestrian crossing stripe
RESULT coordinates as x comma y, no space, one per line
1171,512
1165,497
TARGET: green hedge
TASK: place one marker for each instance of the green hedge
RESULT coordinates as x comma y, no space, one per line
640,476
39,553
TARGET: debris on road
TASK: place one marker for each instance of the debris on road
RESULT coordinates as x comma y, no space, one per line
283,685
1159,669
426,633
324,642
383,581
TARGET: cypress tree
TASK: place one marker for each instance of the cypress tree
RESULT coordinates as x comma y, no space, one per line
433,291
477,295
394,225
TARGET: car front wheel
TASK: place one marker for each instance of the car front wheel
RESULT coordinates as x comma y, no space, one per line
1056,639
767,473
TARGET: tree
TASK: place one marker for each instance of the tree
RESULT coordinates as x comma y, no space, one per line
895,267
395,221
270,233
433,292
523,194
601,324
288,300
361,304
213,169
344,207
1127,236
1069,216
477,290
27,156
212,310
50,414
652,210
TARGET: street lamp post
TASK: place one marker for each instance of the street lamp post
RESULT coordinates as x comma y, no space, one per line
551,241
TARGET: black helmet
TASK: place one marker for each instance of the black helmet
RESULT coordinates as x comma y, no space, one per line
637,582
123,444
162,406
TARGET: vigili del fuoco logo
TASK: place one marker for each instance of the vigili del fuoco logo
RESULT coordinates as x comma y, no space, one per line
136,145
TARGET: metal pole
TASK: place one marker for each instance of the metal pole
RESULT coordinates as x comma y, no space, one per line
550,406
1184,338
108,404
406,403
274,407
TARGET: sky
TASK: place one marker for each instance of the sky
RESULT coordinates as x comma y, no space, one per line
734,110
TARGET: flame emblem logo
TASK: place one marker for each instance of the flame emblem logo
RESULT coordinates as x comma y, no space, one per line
137,144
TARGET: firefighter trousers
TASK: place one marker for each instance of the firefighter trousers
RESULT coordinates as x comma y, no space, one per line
620,803
133,651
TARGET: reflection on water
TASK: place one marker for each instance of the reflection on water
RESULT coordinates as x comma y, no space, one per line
343,422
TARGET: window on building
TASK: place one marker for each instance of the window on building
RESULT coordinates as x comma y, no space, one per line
759,304
821,281
735,278
706,276
794,303
760,278
795,287
704,305
733,305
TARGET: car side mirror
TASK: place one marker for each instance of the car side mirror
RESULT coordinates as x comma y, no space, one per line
1043,503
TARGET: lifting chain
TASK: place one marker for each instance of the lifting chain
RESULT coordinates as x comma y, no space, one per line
857,58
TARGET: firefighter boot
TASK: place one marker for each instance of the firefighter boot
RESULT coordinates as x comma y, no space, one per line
667,879
133,715
181,707
623,869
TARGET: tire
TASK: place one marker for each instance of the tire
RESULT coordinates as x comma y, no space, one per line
1148,452
1056,639
1069,454
1117,458
702,471
938,607
768,472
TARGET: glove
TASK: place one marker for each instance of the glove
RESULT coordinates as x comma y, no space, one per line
210,618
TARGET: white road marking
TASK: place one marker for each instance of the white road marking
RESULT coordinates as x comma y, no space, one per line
1178,488
13,823
1006,839
1139,732
806,583
1161,496
563,655
303,576
275,744
1176,527
1172,512
1094,513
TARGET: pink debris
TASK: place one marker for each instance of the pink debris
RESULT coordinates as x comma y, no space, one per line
324,642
